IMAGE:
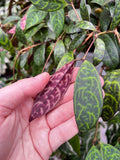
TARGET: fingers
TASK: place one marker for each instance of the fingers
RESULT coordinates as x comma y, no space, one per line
14,94
62,133
60,114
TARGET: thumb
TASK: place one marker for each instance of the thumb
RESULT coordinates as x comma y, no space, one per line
14,94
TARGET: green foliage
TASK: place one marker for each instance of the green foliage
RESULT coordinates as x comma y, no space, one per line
49,5
87,84
56,32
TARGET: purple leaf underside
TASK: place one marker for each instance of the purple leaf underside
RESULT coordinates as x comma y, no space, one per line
53,92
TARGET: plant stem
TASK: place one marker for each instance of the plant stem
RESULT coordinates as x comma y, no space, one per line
89,48
96,130
52,50
75,10
19,53
105,32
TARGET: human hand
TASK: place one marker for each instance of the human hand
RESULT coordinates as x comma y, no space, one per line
21,140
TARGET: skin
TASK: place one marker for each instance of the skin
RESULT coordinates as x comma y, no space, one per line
21,140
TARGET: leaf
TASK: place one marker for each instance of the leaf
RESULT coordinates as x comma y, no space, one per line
23,23
53,92
100,2
19,33
59,51
73,16
112,94
32,31
5,42
85,25
84,10
34,17
72,28
39,55
67,42
75,143
88,99
65,59
23,60
105,19
117,146
109,152
11,19
99,51
115,119
94,154
49,5
116,18
111,57
77,41
57,21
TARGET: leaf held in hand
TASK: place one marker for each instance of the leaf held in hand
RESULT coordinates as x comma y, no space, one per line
53,92
88,98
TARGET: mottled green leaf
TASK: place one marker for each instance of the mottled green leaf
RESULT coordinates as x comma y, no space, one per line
5,42
49,5
77,41
39,55
23,59
109,152
116,17
117,145
73,16
11,19
111,58
34,17
105,19
67,42
84,10
75,143
88,98
99,51
100,2
115,119
94,154
65,59
19,33
57,21
112,94
32,31
85,25
72,28
59,51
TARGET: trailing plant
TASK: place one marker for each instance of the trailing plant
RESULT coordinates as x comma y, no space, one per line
48,35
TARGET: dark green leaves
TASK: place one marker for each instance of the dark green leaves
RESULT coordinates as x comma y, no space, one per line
84,10
109,152
112,94
65,59
99,51
116,17
59,51
49,5
88,99
111,58
57,21
19,33
34,17
5,42
39,55
77,41
85,25
94,154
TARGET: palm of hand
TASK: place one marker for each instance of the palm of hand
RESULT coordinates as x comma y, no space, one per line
20,139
